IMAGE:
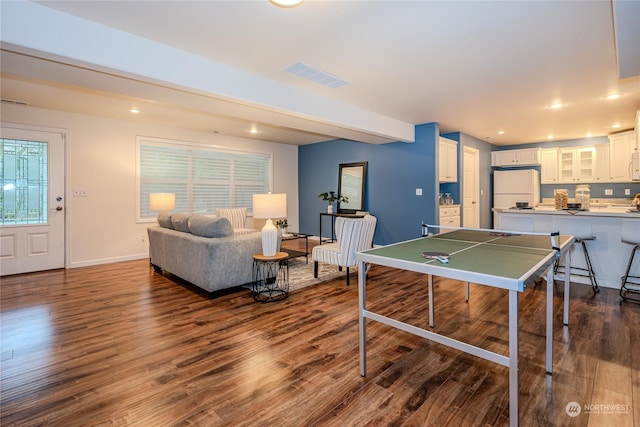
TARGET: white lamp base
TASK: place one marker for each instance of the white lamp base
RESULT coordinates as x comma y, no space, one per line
269,239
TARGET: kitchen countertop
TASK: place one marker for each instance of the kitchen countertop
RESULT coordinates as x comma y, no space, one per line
611,211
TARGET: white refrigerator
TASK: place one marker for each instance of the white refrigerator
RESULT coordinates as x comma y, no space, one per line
511,186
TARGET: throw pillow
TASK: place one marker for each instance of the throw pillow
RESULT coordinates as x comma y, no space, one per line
205,226
237,216
180,221
164,220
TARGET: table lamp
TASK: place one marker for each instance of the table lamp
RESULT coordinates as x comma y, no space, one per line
267,206
162,201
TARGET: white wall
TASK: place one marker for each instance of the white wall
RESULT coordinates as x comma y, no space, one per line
102,227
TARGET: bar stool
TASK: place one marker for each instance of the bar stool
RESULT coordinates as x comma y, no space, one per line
580,228
630,236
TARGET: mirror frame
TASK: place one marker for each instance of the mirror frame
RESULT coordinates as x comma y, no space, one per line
351,209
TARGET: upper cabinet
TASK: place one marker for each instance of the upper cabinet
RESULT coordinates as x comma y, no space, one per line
621,147
523,157
447,160
601,171
576,164
549,166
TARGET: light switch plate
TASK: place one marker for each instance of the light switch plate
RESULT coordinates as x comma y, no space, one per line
608,192
627,192
418,191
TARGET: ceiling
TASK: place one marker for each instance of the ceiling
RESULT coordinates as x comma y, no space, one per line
475,67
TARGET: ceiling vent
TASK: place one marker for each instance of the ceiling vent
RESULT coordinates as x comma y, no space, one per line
313,74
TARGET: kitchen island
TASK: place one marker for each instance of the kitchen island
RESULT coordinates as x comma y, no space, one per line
609,256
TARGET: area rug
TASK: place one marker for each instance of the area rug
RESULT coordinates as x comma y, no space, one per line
301,274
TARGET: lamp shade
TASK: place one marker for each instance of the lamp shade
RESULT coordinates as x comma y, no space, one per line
162,201
266,206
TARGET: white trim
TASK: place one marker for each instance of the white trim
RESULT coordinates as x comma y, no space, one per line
101,261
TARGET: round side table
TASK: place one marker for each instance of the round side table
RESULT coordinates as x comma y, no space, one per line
271,277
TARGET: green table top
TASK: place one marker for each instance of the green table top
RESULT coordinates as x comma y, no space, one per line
484,257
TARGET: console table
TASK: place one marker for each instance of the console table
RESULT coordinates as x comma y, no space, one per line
333,223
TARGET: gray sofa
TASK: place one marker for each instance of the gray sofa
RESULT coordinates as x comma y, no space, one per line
202,250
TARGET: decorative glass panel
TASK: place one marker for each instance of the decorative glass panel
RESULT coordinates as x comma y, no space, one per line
24,179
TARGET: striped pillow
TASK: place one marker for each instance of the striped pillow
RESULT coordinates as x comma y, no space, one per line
237,216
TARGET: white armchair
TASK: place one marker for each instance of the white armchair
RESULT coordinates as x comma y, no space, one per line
352,235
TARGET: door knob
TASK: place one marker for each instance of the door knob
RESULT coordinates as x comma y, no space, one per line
59,208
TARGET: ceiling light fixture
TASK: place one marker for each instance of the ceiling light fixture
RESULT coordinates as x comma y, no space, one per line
550,137
616,125
613,96
134,110
254,131
286,3
555,105
589,135
500,132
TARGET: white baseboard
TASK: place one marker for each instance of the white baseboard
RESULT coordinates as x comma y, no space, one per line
101,261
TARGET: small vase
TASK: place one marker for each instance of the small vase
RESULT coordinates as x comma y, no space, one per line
330,208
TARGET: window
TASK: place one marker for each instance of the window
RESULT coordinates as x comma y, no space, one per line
202,177
23,176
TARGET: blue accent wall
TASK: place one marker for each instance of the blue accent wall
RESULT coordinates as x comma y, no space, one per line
395,170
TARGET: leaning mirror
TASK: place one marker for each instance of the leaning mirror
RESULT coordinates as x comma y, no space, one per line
352,183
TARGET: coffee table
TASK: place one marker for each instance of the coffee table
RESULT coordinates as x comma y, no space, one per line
294,253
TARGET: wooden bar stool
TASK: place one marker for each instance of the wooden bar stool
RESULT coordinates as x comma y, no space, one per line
580,228
630,283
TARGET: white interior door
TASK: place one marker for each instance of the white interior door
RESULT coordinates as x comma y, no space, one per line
32,208
470,188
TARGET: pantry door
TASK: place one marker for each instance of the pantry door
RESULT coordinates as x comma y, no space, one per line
32,207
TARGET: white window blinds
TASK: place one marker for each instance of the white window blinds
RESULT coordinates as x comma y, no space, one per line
203,178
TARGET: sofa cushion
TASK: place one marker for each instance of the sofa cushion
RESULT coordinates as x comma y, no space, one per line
237,216
180,221
164,220
206,226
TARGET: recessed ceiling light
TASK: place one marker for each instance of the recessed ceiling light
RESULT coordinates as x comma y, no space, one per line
556,105
286,3
550,137
134,110
613,96
589,135
500,132
616,125
253,130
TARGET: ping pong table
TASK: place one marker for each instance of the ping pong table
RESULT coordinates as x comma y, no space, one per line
506,260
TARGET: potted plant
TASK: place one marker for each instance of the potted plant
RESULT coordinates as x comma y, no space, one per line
331,197
282,224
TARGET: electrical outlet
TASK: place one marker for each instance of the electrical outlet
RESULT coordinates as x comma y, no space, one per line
627,192
418,191
143,239
608,192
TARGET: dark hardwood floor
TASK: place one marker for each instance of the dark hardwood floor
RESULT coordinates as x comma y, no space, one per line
121,345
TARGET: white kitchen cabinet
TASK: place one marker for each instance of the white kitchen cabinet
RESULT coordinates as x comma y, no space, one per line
621,146
447,160
601,171
450,216
522,157
549,166
576,164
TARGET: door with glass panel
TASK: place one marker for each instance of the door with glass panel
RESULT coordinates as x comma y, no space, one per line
32,204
